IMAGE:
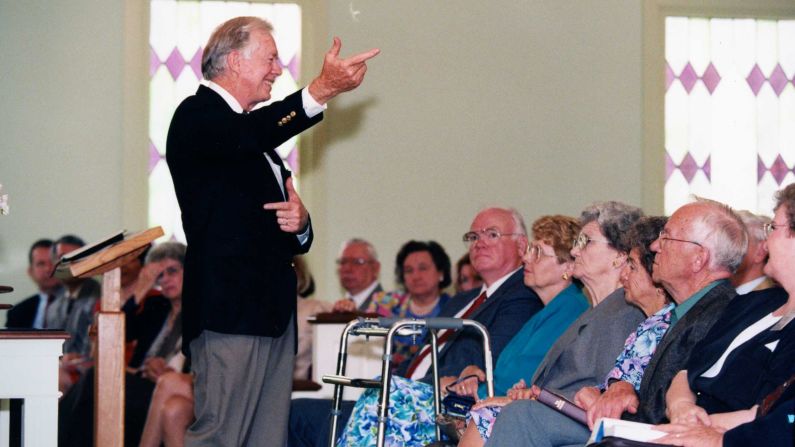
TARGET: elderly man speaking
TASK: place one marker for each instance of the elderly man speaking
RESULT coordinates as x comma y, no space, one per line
244,223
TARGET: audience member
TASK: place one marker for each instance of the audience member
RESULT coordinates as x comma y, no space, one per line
156,326
358,268
496,238
73,311
31,312
585,353
466,277
750,275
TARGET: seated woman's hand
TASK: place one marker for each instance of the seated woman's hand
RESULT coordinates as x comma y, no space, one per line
469,380
524,393
344,305
153,367
691,435
497,401
687,413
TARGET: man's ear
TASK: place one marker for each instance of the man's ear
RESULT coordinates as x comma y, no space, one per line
701,260
233,59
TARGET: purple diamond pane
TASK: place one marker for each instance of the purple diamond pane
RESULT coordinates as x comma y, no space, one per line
688,78
175,63
755,79
154,157
292,159
707,168
778,79
196,63
669,166
711,78
760,169
154,62
688,167
292,67
669,76
779,169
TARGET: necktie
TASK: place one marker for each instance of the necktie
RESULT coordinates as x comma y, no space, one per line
444,337
50,299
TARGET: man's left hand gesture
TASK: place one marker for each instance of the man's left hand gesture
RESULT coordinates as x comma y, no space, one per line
291,215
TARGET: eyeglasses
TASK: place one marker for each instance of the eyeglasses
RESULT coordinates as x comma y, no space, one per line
489,236
353,262
536,252
665,238
582,240
769,227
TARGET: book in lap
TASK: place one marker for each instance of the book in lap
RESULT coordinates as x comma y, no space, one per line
634,431
563,405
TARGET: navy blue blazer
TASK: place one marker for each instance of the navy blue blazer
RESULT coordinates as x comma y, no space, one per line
752,370
21,316
238,277
503,314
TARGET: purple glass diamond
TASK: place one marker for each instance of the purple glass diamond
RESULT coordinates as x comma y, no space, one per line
688,77
196,63
778,79
707,168
711,78
755,79
760,169
292,159
175,63
154,62
292,67
669,76
669,166
779,169
688,167
154,157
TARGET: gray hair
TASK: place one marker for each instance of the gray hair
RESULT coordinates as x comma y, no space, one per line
232,35
357,240
722,231
167,250
754,224
614,220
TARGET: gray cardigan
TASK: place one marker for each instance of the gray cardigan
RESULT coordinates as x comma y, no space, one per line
586,352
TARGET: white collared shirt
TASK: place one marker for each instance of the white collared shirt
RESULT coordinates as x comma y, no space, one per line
749,287
360,297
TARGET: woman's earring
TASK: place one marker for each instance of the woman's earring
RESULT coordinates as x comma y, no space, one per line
565,276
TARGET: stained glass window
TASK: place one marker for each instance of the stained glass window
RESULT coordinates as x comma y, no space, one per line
178,30
729,110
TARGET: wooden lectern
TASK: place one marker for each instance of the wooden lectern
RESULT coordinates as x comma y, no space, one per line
104,258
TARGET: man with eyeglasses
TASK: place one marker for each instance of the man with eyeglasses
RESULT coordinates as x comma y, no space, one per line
495,240
698,250
750,276
358,268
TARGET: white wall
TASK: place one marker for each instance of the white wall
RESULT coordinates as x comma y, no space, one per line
532,104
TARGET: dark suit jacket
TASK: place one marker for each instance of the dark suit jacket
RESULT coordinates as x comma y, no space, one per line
752,370
503,314
775,429
674,351
239,277
21,316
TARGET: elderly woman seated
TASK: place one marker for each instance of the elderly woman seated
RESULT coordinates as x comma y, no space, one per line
549,427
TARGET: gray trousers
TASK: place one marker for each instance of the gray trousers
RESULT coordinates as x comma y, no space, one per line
242,386
531,423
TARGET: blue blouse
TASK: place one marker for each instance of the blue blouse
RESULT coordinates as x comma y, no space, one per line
527,348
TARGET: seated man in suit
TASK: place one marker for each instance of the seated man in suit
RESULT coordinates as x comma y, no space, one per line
358,268
503,305
750,276
30,313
